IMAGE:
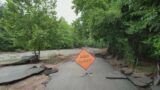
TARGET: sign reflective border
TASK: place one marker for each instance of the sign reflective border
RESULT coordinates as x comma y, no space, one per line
85,59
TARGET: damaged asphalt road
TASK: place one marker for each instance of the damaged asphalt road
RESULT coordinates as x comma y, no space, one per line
11,74
72,77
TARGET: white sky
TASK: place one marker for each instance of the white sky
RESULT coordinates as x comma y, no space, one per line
2,1
64,9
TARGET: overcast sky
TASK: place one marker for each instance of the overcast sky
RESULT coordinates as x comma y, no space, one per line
1,1
64,9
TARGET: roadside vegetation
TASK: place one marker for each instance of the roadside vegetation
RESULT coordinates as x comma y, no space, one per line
129,28
33,25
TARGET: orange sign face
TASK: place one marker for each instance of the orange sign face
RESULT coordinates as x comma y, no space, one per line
85,59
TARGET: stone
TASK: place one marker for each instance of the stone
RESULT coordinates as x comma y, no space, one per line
126,71
141,82
138,75
115,75
155,87
156,80
123,65
145,80
49,71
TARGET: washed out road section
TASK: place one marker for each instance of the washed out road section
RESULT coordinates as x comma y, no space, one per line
71,77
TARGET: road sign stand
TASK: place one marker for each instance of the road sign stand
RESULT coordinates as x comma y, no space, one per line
87,74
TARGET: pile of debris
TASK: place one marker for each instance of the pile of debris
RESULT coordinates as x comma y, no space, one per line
124,72
142,81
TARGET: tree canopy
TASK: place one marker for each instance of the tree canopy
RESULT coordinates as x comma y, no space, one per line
33,25
130,28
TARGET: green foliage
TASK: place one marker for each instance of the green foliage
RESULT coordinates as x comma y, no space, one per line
31,23
84,37
65,33
5,39
131,28
143,22
6,42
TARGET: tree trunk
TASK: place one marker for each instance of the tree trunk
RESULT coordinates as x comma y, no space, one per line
135,64
35,53
39,52
158,69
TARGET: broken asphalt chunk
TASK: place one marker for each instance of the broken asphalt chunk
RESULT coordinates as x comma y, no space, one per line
115,75
156,80
11,74
155,87
141,82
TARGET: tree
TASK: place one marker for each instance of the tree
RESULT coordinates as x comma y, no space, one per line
32,23
131,28
141,19
6,42
65,32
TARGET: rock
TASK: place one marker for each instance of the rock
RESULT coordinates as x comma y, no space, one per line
126,71
155,87
115,75
123,65
138,75
49,71
10,74
109,57
156,80
145,80
151,75
141,82
136,82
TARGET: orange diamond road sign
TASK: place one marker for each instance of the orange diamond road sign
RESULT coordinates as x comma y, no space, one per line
85,59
